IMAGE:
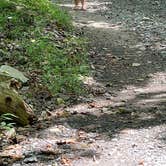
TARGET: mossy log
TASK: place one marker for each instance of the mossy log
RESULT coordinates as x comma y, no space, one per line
11,102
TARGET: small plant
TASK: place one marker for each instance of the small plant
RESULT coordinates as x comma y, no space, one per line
6,121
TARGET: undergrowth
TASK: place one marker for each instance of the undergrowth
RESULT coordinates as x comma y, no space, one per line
38,35
6,121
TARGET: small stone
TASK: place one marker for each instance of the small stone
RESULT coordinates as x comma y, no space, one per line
32,159
136,64
56,131
54,164
146,19
109,153
20,129
104,110
134,145
140,79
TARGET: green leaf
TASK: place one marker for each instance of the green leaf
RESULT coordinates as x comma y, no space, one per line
9,114
12,72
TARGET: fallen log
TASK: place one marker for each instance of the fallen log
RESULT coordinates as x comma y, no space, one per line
11,102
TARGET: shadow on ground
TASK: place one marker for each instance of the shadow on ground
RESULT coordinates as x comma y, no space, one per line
127,58
133,107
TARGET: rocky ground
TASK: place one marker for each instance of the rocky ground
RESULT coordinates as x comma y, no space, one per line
122,121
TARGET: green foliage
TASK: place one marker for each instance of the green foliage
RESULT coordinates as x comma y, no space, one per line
61,67
6,121
32,9
38,35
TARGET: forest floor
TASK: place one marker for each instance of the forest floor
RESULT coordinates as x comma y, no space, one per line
123,121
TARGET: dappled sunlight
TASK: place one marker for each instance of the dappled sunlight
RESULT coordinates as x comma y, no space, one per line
68,5
99,25
132,107
152,102
159,96
131,112
146,116
94,107
95,6
89,81
92,7
90,21
154,91
149,96
61,132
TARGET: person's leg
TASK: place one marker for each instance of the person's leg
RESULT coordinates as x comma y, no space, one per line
76,2
83,2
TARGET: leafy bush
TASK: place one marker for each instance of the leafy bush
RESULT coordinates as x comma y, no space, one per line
36,34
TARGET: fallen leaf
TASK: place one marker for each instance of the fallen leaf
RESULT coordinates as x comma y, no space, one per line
20,138
61,114
65,161
94,105
82,135
68,141
141,163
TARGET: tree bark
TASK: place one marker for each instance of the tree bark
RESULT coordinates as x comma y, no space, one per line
11,102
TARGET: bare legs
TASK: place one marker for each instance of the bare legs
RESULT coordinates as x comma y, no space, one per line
83,2
76,2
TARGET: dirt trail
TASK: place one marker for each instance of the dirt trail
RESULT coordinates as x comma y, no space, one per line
128,59
123,120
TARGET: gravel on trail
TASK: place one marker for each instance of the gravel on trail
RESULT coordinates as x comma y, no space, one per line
127,50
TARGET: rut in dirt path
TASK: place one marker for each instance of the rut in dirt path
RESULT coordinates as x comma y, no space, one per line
127,49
